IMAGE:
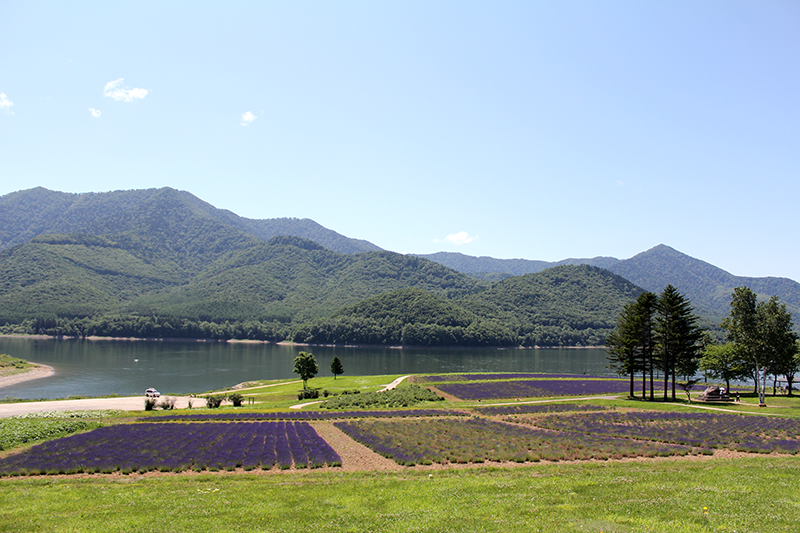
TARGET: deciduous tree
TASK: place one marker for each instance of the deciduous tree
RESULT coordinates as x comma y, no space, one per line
724,361
305,364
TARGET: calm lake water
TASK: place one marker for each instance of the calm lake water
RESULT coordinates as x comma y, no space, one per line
98,368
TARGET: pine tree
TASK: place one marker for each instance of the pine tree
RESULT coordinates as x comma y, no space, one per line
677,336
336,367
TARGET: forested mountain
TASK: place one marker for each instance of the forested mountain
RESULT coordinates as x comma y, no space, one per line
561,306
484,266
709,288
161,262
29,213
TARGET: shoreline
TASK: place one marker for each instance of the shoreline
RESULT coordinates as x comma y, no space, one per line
290,343
37,372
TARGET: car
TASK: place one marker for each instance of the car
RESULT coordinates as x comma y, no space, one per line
152,393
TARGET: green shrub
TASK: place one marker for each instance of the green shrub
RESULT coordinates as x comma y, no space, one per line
213,402
307,393
236,399
404,397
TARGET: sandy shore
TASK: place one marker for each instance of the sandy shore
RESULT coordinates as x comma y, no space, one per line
125,403
39,371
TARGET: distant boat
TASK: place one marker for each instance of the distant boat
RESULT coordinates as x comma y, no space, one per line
135,360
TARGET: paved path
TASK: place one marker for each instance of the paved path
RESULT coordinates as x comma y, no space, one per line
394,384
125,403
731,410
390,386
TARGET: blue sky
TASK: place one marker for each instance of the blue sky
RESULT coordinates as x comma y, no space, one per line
540,130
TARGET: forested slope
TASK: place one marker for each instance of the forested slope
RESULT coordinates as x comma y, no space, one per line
29,213
562,306
708,287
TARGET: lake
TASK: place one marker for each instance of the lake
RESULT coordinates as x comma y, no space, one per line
105,367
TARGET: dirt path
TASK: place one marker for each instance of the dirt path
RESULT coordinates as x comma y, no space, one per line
355,456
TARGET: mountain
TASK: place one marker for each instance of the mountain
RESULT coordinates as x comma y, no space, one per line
708,287
161,262
484,266
568,305
27,214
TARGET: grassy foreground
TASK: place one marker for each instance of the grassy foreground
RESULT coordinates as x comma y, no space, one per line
741,495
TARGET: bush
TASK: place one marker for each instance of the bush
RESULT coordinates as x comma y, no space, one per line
307,393
402,397
213,402
236,399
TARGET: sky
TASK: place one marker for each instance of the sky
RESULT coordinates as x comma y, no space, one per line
536,130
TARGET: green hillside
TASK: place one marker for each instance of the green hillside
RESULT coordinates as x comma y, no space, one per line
562,306
708,287
26,214
161,262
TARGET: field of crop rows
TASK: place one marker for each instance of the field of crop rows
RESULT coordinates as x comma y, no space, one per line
143,447
306,415
757,434
493,390
476,440
443,378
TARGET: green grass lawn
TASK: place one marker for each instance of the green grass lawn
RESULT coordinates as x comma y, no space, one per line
759,494
751,494
283,394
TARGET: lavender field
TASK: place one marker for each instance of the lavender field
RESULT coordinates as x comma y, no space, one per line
494,390
477,440
538,408
306,415
494,377
757,434
144,447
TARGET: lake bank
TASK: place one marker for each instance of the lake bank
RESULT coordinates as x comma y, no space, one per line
36,372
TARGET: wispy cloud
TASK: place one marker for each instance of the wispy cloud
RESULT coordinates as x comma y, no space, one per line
95,112
620,183
460,238
116,90
6,104
248,118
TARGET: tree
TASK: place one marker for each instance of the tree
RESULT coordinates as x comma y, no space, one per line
647,306
778,340
631,344
764,334
306,366
622,344
743,331
677,336
724,361
336,367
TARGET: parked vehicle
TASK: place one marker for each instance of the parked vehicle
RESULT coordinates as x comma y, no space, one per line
152,393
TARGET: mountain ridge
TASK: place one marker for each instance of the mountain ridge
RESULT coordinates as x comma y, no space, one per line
159,239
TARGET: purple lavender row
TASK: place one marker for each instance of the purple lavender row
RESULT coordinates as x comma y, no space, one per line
756,434
478,440
494,377
534,388
538,408
177,447
305,415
